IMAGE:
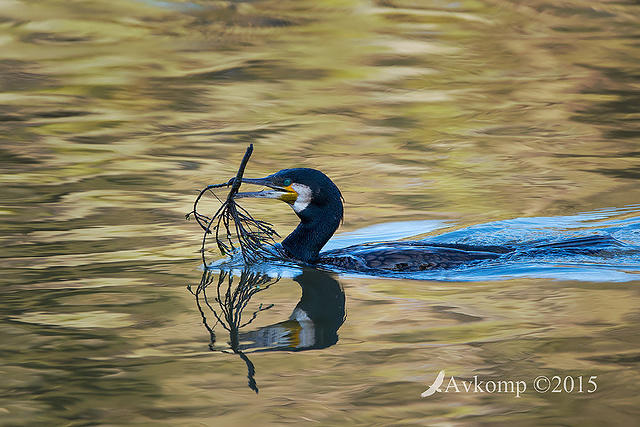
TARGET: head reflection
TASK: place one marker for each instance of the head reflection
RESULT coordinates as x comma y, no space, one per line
313,324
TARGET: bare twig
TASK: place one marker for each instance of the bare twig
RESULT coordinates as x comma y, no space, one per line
231,220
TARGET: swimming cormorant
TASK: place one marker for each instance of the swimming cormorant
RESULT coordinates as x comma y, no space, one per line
318,203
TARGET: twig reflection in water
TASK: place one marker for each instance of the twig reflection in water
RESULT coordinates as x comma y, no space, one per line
313,324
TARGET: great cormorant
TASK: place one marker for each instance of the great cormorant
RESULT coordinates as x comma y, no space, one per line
318,203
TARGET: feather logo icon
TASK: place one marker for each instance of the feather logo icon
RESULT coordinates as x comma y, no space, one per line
435,386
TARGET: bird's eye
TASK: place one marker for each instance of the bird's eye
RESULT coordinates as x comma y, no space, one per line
287,182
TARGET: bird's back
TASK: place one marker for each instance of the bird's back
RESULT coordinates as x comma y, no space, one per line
407,256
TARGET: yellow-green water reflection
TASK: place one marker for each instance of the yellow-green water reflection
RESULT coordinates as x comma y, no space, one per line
112,114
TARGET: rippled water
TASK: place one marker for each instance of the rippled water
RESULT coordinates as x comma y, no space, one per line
453,121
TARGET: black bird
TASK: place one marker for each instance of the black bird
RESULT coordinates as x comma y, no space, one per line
318,203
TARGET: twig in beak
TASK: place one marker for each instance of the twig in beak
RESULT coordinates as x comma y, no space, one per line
252,234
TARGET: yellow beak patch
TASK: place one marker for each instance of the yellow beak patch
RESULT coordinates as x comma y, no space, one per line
290,196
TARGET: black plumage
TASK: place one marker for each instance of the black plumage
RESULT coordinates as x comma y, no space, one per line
318,203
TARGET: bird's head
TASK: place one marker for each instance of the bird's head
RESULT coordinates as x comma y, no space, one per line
314,198
307,191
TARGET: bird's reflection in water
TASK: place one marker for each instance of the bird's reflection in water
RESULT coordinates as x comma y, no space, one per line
313,324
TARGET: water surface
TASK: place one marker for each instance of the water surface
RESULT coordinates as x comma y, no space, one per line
442,120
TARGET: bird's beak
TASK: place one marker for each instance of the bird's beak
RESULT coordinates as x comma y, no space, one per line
286,194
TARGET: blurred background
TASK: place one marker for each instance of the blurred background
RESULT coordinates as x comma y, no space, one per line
113,115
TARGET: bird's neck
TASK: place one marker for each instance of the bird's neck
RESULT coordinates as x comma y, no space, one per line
306,241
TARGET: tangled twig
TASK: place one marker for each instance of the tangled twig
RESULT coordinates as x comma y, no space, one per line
252,234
